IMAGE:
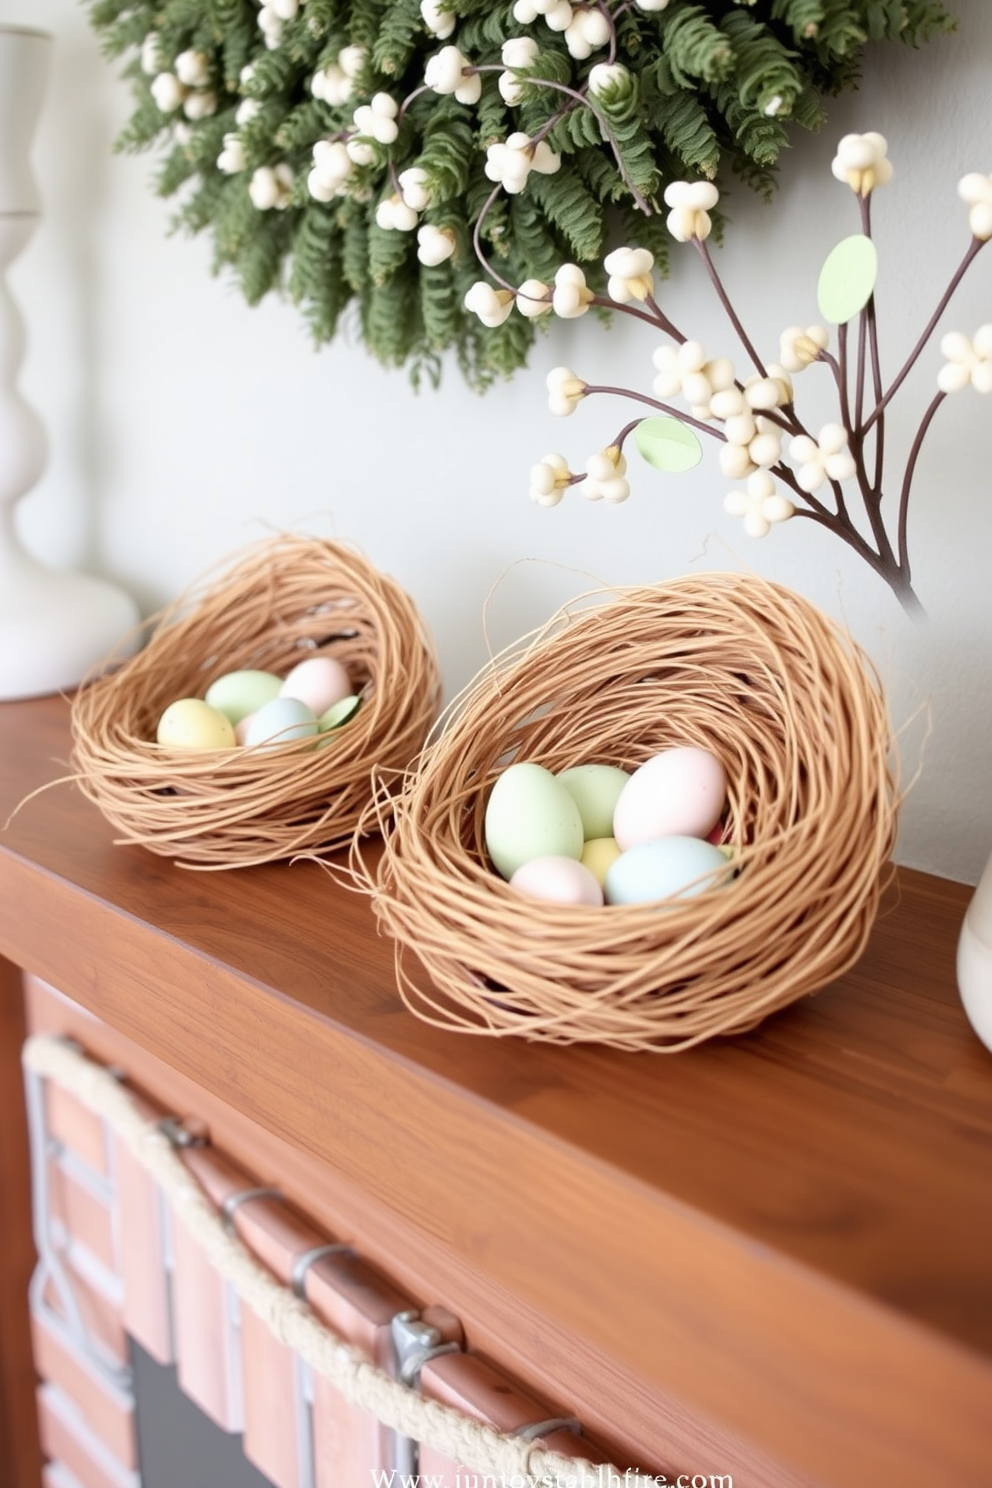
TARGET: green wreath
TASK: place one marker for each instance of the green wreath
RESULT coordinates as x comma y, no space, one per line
383,154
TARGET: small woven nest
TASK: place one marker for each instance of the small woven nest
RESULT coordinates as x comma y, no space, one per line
274,604
728,663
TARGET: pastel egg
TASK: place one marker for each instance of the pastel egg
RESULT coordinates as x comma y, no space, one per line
191,723
319,681
242,726
595,790
598,854
280,722
558,880
530,814
237,694
338,713
665,869
678,793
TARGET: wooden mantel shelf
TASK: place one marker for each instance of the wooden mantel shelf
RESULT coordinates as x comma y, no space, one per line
771,1256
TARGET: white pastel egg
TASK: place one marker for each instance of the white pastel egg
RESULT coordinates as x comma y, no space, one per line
678,793
558,880
319,681
280,722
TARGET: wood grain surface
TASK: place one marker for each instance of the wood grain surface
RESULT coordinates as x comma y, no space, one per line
20,1454
777,1248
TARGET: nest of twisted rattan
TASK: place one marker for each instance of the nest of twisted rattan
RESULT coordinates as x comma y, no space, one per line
729,663
274,604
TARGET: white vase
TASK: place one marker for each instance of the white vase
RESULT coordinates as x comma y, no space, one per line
54,625
975,959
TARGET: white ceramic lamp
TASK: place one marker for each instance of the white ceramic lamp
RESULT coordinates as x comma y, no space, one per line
54,626
975,959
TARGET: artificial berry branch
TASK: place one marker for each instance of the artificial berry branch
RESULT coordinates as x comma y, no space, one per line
751,416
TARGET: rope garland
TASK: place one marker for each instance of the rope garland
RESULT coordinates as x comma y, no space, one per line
513,1460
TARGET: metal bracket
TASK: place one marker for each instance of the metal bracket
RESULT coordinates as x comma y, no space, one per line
415,1343
235,1200
184,1131
537,1429
303,1262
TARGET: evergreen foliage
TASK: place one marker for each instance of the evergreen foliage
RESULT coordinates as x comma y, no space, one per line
707,88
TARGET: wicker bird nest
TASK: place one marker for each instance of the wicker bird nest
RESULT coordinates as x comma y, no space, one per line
732,664
274,604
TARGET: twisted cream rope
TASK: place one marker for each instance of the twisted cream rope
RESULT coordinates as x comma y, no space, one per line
479,1448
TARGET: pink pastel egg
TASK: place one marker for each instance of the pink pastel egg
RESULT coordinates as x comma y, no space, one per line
319,681
678,793
557,879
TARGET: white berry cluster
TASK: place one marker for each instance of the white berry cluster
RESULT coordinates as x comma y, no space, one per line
272,18
585,27
186,86
862,162
335,83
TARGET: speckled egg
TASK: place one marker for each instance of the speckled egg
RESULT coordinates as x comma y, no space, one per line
191,723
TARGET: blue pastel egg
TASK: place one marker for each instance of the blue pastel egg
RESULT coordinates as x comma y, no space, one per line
667,868
280,722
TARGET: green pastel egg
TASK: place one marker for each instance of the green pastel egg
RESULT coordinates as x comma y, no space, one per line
237,694
338,713
530,814
595,790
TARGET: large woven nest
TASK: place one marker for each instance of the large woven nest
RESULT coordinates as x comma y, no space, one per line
732,664
274,604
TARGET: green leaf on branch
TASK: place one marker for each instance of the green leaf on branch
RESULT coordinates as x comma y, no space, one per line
847,279
668,444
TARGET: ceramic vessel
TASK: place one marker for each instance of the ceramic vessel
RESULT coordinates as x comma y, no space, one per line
975,959
54,626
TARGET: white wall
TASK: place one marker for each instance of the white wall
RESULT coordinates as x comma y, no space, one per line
184,424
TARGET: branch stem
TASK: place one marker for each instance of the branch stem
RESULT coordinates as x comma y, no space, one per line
973,248
724,299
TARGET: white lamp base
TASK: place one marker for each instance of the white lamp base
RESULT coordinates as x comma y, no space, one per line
56,627
975,959
975,982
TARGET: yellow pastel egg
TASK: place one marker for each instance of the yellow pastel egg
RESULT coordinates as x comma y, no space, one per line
190,723
598,855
